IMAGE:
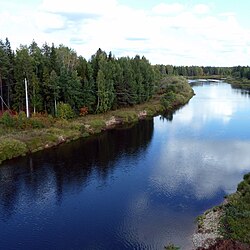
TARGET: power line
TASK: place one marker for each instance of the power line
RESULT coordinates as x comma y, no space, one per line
4,103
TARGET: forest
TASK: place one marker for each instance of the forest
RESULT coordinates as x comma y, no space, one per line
201,71
57,76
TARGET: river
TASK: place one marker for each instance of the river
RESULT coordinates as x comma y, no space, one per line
134,188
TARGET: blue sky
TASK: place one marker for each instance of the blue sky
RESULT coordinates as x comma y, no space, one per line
194,32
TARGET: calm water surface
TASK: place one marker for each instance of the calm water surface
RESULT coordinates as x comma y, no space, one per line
137,188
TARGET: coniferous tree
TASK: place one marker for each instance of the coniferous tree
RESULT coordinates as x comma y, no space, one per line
85,73
23,69
10,72
37,76
3,73
55,90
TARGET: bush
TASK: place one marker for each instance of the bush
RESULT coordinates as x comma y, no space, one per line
83,111
22,120
168,100
171,247
64,111
36,123
39,120
7,119
236,222
10,148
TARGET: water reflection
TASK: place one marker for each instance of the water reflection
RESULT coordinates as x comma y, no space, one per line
217,103
208,145
51,174
204,168
243,92
168,116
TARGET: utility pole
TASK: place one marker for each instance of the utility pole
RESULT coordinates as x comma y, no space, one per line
27,98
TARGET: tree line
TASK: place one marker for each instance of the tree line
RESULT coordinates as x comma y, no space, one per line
198,71
58,75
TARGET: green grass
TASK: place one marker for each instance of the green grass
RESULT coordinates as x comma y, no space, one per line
10,148
127,116
97,125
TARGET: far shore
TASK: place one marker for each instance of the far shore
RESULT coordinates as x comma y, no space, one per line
15,143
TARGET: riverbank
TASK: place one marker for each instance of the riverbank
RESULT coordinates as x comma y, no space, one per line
19,142
241,83
226,226
213,77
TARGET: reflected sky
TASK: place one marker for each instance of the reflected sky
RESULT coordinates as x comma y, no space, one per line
201,156
136,188
207,145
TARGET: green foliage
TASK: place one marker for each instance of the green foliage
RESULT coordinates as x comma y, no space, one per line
64,111
7,120
58,74
171,247
45,119
236,222
168,100
10,148
97,125
36,123
127,116
22,121
176,91
241,83
85,73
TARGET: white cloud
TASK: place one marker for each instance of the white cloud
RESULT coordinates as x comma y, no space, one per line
49,21
168,8
215,160
79,6
168,33
201,9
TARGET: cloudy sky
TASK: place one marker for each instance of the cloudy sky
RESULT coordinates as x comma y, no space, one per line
191,32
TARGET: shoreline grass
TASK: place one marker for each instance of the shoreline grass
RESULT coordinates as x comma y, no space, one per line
240,83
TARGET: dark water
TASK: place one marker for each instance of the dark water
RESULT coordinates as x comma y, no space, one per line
137,188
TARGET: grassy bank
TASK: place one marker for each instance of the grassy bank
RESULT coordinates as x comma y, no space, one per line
241,83
227,226
236,220
20,136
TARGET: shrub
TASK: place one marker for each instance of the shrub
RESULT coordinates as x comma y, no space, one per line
236,222
10,148
22,120
83,111
40,120
171,247
36,123
168,100
7,120
64,111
